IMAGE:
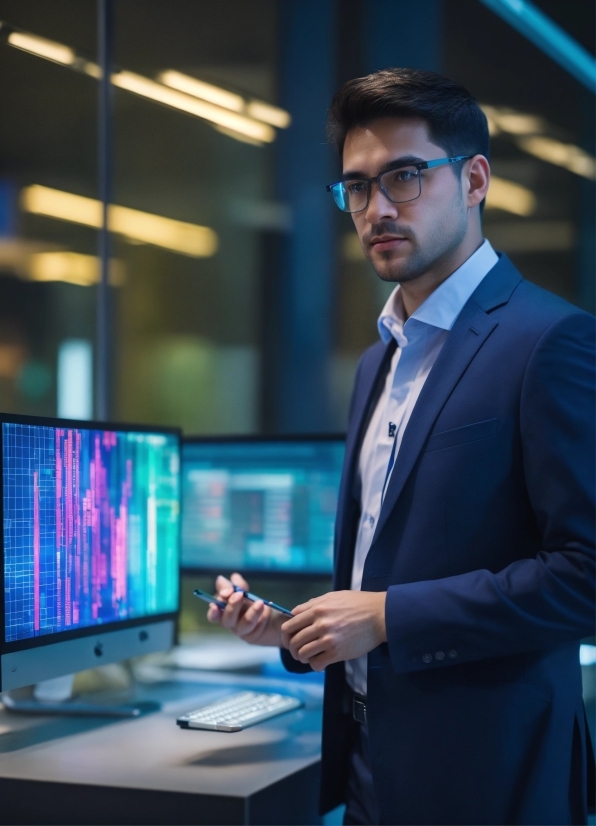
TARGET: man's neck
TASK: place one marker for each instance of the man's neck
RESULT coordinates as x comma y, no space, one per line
415,292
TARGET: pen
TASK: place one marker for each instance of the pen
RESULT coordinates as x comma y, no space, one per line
255,598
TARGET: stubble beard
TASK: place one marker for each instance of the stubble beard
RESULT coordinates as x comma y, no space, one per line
442,241
405,269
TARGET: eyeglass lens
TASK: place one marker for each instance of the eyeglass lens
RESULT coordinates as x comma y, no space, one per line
398,185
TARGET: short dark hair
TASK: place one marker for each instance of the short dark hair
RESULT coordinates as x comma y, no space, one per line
455,120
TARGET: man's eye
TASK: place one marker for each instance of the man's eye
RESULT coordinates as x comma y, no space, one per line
404,176
355,187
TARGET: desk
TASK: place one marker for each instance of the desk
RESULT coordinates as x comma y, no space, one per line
59,770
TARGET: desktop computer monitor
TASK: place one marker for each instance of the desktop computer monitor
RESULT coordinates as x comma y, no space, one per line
90,545
260,505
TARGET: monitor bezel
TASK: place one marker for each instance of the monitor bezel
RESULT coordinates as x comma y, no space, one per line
247,438
102,628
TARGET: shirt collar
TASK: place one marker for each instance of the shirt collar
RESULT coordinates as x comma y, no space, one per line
444,304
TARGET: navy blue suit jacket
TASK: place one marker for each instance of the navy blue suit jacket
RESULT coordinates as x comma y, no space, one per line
485,547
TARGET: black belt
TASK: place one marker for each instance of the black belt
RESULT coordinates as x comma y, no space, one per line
359,708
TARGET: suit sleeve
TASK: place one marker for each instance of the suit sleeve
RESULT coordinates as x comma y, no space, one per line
541,601
290,664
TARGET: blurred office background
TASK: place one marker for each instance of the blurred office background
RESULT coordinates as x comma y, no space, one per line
239,297
251,314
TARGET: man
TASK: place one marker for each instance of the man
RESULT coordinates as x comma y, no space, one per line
464,558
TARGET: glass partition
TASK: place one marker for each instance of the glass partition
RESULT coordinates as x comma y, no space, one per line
48,249
195,125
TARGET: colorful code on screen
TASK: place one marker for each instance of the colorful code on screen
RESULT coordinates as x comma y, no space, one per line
91,525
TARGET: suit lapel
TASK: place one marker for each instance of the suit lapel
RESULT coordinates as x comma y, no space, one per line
374,371
469,333
370,382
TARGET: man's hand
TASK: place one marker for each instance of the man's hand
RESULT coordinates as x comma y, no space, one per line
338,626
254,622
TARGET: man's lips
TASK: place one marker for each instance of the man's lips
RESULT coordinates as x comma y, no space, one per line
387,242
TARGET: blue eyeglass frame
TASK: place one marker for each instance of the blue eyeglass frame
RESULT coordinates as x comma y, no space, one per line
419,165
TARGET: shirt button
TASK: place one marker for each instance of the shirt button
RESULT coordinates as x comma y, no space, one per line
371,520
427,658
440,655
452,654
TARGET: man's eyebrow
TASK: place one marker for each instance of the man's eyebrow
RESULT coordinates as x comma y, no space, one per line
395,164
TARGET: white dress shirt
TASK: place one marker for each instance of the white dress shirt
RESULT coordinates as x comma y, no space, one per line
419,339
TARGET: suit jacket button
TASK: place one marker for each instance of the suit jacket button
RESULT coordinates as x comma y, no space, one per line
440,655
427,658
452,654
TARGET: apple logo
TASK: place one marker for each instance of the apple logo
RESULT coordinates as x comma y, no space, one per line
98,650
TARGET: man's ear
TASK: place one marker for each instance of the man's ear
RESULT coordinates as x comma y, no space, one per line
477,175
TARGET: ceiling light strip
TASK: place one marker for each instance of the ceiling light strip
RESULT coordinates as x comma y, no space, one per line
200,89
189,239
144,87
48,49
567,155
257,109
196,97
510,197
527,132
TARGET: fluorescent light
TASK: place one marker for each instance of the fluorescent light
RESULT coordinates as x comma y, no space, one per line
189,239
251,122
71,268
257,109
64,205
566,155
269,114
91,69
528,130
200,89
42,47
501,119
509,196
587,654
140,85
517,123
75,379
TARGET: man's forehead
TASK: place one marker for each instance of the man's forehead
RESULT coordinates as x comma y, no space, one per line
386,139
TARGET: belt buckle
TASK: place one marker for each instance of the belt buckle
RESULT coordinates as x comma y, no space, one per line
359,709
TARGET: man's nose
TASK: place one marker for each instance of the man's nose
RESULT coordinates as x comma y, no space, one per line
380,208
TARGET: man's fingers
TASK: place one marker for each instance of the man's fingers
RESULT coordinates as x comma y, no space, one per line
250,619
311,649
223,587
306,635
292,626
238,579
289,630
231,613
214,613
296,645
260,626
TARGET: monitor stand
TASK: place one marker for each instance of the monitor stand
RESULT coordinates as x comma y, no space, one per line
56,697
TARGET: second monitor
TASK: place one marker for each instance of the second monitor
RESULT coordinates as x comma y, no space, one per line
260,504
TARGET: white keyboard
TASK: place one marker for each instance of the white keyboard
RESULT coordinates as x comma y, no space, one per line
237,711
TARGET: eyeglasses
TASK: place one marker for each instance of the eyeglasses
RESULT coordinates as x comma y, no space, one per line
400,184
